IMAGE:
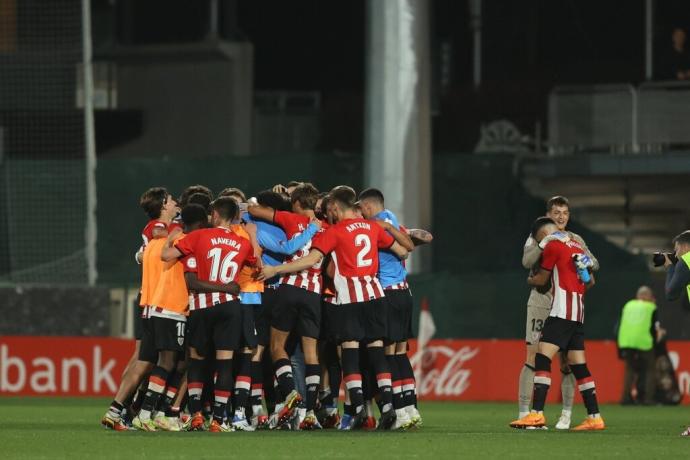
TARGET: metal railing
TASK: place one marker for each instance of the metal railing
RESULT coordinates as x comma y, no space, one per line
619,118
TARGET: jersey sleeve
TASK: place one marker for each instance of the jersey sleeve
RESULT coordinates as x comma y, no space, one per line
186,245
283,219
189,264
384,239
550,255
325,242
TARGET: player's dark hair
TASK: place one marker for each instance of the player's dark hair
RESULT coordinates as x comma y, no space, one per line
323,212
557,200
271,199
306,194
683,238
226,207
233,191
194,214
201,199
191,190
152,201
344,195
539,223
371,194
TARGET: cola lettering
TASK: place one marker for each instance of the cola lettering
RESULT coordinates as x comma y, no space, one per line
451,379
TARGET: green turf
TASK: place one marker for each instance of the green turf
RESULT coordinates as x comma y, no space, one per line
55,428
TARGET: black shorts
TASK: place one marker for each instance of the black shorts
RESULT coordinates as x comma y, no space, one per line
226,326
361,321
567,335
328,326
262,316
399,303
298,309
161,334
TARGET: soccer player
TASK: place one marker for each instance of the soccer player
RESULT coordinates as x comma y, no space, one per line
298,307
565,263
393,277
161,208
275,247
167,315
361,317
538,307
216,320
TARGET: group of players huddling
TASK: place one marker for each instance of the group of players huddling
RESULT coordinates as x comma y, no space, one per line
232,288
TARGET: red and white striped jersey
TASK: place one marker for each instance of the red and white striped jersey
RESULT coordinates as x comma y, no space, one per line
216,255
294,224
353,245
147,232
566,287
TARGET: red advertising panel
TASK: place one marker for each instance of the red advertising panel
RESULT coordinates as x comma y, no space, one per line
62,366
454,369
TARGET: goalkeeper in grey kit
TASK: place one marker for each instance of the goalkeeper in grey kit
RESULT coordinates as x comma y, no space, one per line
538,308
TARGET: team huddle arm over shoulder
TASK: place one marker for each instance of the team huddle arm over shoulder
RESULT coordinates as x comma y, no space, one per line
182,247
261,212
289,247
386,241
530,253
401,237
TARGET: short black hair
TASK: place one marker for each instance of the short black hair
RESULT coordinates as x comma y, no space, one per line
682,238
152,201
201,199
539,223
193,214
271,199
233,191
343,195
226,207
191,190
558,200
371,194
306,194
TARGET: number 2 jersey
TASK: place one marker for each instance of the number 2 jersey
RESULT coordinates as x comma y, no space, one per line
354,245
219,255
566,288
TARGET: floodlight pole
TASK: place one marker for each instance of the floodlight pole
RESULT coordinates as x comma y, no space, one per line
89,145
398,112
649,39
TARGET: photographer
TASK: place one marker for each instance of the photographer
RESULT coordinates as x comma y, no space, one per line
678,274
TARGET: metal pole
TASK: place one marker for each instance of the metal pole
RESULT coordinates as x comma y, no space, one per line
649,39
398,112
90,144
476,26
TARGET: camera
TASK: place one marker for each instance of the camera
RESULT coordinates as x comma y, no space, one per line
658,258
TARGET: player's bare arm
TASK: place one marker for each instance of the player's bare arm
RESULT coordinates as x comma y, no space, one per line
260,212
304,263
195,284
399,250
401,237
420,236
540,278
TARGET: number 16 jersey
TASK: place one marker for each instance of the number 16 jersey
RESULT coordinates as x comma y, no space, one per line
354,244
219,255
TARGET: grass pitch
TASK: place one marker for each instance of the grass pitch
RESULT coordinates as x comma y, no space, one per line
69,428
